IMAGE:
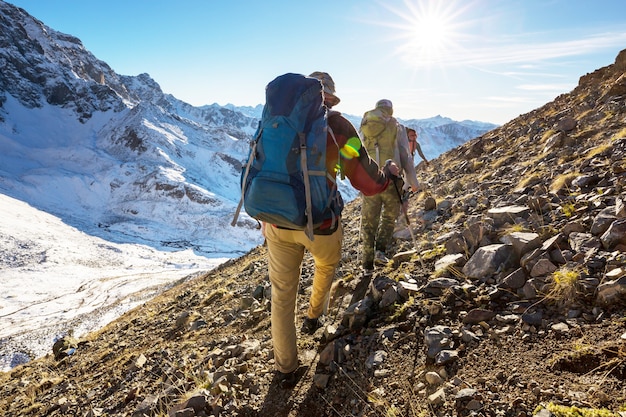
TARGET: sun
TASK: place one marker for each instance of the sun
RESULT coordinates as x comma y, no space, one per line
431,34
429,31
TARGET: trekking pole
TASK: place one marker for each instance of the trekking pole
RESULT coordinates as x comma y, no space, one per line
358,253
406,215
408,222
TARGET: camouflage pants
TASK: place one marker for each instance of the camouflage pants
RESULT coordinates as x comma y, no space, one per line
378,216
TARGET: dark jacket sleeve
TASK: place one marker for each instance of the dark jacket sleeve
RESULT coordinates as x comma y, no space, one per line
352,158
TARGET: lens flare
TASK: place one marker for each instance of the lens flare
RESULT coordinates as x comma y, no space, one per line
351,149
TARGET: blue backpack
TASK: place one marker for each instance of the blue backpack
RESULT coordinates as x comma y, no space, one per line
285,181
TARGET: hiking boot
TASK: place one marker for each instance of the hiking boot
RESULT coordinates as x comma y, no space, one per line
380,258
309,326
287,381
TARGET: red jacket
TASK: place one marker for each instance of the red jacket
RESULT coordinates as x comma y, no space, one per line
362,171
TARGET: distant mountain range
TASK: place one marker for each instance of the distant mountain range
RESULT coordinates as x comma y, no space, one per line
117,158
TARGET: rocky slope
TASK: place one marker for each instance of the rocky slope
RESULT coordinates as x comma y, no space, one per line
506,297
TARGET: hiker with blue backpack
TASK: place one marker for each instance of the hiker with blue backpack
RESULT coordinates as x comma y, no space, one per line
386,140
289,184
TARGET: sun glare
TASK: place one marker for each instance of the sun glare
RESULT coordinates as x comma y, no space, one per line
430,34
428,30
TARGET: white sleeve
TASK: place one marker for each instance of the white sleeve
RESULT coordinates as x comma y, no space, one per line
406,160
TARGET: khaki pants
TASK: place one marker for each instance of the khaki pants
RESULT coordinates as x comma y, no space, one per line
286,251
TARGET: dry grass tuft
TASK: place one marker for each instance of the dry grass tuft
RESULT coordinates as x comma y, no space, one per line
568,209
547,134
532,179
433,253
603,149
620,135
563,181
572,411
512,228
565,286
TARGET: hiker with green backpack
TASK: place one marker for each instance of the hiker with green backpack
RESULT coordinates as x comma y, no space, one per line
386,140
289,184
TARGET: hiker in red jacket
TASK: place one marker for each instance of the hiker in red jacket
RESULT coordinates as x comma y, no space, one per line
286,247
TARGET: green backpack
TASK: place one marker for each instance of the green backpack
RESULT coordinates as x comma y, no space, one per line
379,135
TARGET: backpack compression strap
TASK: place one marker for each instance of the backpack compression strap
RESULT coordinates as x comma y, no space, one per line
333,179
307,183
243,183
307,186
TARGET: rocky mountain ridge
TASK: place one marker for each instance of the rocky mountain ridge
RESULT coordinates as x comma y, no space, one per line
505,297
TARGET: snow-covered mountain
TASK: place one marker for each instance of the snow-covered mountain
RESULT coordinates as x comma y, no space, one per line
438,134
133,163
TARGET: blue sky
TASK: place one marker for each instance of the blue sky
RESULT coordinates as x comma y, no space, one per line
485,60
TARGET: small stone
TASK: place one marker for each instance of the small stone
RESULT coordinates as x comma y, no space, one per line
433,378
186,412
437,397
560,327
376,359
474,405
140,361
446,356
478,315
321,380
382,373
